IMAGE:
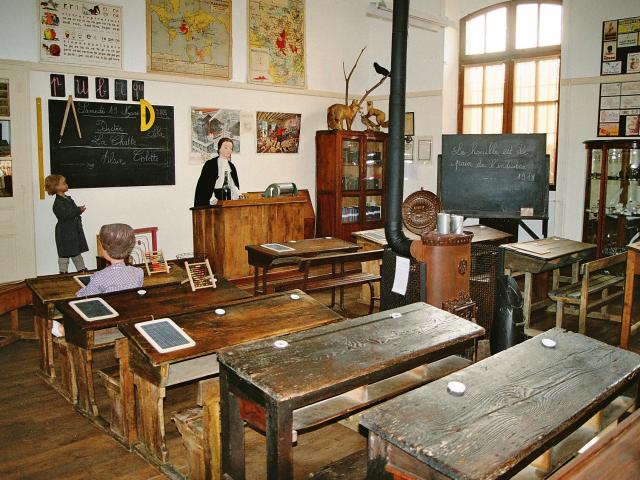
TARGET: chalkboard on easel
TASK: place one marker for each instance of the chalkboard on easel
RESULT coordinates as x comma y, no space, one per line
494,176
112,152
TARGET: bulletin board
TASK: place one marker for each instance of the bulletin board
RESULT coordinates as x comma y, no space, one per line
619,109
620,46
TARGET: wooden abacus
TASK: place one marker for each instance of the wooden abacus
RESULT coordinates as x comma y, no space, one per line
155,262
200,275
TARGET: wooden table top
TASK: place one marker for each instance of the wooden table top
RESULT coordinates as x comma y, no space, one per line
548,248
615,455
306,247
53,288
481,233
160,302
517,404
261,317
343,352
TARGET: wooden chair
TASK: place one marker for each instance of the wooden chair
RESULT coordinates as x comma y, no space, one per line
338,278
593,282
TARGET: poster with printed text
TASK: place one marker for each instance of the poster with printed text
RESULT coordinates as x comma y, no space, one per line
276,32
619,112
190,37
82,33
208,126
620,46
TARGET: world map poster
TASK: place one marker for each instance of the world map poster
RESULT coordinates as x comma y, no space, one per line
276,42
190,36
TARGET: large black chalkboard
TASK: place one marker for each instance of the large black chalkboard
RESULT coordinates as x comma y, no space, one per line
494,176
112,152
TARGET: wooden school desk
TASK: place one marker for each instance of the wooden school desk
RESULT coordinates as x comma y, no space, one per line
517,404
633,269
83,337
544,255
13,296
275,314
350,364
52,288
616,454
265,258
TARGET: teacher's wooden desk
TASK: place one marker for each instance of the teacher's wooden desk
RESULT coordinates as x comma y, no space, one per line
53,288
83,337
349,365
544,255
265,258
518,404
266,316
633,268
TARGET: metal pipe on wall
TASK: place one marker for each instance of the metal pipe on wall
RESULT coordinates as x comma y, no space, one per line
394,173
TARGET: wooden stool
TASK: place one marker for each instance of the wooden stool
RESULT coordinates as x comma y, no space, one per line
12,297
200,431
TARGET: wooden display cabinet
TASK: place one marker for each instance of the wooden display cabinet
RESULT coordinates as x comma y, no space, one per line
349,181
612,195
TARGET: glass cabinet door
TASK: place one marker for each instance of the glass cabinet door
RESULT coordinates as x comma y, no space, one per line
350,209
373,205
591,209
374,164
350,165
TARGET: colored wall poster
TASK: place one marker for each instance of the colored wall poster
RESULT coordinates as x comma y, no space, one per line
620,46
276,42
619,110
83,33
277,132
190,36
208,125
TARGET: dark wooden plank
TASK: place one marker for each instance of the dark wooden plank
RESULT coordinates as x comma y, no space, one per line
52,288
159,301
333,355
615,455
351,467
245,321
517,404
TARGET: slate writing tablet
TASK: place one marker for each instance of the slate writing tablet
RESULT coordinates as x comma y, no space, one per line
83,280
277,247
92,309
164,335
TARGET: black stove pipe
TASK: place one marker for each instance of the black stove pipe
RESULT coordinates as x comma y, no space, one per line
394,174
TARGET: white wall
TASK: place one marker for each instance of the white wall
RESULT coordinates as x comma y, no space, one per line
336,30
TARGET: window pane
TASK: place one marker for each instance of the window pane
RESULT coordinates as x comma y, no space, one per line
492,120
525,80
472,120
550,25
496,30
548,73
473,85
526,25
494,83
474,32
523,118
547,117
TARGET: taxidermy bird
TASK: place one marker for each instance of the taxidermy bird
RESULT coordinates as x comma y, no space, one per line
380,69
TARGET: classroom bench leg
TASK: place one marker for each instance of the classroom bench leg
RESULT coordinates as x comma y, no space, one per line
279,434
45,342
150,414
232,432
128,426
82,363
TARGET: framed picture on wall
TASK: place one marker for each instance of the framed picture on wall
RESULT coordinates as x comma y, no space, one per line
408,124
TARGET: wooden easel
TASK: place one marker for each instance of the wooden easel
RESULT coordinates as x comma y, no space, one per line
72,106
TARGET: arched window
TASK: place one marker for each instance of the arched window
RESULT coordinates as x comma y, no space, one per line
510,71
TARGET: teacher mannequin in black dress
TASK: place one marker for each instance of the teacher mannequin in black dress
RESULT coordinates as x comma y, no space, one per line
209,187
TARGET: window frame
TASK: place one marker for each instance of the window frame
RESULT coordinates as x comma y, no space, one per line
510,56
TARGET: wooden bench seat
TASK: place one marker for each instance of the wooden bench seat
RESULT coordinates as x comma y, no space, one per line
338,278
592,283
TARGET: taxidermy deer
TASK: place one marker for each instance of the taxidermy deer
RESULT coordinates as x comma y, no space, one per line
337,113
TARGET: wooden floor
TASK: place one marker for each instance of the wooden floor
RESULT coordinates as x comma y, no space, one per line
43,437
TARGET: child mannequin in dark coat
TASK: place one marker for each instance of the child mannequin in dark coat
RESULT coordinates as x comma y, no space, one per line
70,239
